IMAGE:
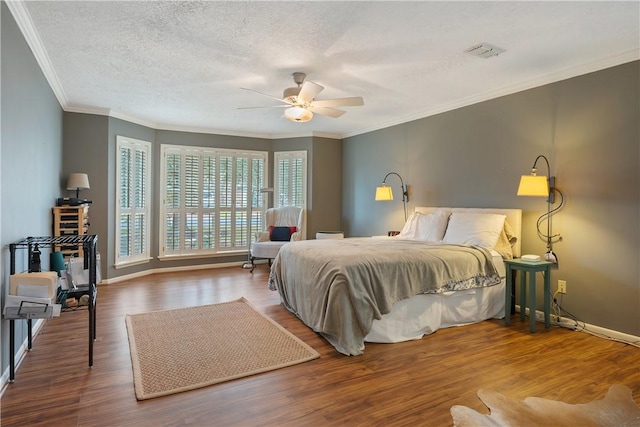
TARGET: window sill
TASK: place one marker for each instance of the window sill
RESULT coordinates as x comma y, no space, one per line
132,263
199,256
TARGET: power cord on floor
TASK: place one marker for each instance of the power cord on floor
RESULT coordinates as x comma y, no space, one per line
558,313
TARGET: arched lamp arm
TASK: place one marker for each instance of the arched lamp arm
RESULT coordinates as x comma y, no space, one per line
551,180
403,187
405,192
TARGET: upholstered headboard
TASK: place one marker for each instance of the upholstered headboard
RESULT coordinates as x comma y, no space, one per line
514,217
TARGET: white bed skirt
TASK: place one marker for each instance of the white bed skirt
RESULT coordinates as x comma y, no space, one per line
424,314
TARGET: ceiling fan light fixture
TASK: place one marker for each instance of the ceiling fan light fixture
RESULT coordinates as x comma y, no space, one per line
298,114
301,103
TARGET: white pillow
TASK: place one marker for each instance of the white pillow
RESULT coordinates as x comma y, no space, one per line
428,227
477,229
409,229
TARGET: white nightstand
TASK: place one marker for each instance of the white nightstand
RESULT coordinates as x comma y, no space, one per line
329,235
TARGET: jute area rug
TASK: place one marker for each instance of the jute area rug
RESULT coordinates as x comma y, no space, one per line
616,409
188,348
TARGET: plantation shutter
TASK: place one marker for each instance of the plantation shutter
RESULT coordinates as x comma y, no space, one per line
208,197
132,194
290,177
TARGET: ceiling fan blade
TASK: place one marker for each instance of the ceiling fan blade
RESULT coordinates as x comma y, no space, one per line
268,96
309,91
354,101
326,111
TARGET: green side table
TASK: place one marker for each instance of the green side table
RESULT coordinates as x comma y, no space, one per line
531,267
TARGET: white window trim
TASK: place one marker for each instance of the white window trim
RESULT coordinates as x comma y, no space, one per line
279,155
145,146
215,152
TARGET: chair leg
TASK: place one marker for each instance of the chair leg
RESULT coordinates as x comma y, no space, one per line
253,265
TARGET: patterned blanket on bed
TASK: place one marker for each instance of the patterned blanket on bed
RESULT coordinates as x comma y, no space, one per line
338,287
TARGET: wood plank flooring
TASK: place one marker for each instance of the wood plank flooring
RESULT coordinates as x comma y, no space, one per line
406,384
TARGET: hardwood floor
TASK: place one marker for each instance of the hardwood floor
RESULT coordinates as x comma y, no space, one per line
412,383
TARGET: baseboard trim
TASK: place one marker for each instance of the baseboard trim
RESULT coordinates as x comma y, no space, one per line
126,277
565,322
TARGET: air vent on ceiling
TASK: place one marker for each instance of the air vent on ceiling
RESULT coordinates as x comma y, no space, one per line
484,50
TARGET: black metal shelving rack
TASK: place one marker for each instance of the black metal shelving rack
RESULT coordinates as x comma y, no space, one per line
89,244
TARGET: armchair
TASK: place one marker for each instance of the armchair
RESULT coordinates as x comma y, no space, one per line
282,225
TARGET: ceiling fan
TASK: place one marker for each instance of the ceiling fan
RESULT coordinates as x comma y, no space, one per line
300,102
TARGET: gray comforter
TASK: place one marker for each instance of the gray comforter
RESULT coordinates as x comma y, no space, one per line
338,287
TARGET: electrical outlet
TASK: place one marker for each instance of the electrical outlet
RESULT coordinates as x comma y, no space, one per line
562,286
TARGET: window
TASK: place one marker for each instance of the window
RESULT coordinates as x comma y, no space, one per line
132,200
208,195
290,176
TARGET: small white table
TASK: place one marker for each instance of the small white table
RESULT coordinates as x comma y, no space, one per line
329,235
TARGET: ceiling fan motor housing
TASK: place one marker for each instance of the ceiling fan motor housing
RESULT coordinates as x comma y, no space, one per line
298,78
290,94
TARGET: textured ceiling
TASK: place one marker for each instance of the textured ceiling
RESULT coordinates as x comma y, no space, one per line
181,64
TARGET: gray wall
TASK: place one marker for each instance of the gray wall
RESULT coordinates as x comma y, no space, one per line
85,150
589,129
326,184
324,177
31,157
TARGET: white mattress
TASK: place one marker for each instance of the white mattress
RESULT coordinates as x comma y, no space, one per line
424,314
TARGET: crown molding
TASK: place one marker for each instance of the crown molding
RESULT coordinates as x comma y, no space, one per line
307,135
23,19
623,58
227,132
327,135
116,114
84,109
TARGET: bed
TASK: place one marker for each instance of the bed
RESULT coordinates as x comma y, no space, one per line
444,269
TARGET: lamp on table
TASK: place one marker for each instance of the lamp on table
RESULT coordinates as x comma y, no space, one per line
78,181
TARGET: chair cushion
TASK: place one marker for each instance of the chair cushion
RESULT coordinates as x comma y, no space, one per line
281,234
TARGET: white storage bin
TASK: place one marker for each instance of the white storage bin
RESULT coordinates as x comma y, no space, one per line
77,275
38,285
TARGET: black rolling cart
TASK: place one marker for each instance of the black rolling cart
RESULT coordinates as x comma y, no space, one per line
89,244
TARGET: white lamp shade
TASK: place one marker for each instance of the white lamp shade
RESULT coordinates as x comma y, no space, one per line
384,193
298,114
533,185
78,181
